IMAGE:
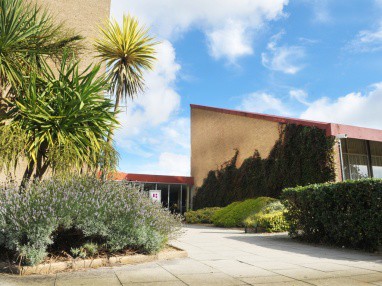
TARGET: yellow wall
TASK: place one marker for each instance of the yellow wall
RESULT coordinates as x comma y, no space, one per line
215,136
83,16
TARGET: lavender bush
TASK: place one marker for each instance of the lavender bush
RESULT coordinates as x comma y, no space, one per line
116,212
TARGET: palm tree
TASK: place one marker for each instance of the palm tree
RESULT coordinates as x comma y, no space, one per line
28,36
60,122
127,51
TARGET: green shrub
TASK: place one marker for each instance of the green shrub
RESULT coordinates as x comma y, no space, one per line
234,214
345,214
200,216
269,219
115,213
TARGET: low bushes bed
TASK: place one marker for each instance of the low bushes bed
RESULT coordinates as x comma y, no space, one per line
201,216
79,216
345,214
234,214
270,219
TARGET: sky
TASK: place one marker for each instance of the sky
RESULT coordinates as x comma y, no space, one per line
311,59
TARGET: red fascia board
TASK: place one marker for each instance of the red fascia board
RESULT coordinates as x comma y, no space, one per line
159,179
356,132
332,129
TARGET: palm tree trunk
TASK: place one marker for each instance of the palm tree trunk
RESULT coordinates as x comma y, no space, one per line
110,136
116,107
27,174
41,166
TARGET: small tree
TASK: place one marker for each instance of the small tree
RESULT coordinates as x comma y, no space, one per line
128,51
60,122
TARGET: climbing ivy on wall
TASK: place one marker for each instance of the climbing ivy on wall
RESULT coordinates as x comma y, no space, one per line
302,155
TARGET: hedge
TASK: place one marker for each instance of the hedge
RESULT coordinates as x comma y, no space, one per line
234,214
200,216
347,214
301,156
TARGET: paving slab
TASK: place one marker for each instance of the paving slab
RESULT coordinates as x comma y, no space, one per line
149,273
8,280
220,279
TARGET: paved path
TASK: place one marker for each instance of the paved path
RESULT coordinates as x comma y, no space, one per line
230,257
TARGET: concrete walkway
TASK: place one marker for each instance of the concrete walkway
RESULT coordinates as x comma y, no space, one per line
230,257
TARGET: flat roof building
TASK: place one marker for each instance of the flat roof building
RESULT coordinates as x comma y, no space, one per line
217,133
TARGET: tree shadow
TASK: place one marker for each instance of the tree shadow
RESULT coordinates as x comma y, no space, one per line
283,242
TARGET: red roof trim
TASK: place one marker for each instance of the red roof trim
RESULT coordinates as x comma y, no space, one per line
119,176
332,129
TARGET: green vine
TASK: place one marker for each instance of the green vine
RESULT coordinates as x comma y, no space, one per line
302,155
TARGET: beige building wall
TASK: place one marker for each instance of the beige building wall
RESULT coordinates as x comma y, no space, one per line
216,135
83,16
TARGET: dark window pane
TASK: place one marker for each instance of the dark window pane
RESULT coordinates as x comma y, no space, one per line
356,146
376,148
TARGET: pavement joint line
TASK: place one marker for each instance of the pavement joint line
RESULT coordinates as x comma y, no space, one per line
173,274
363,268
116,275
278,274
233,277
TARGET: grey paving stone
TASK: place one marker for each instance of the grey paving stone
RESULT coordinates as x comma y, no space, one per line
238,269
88,281
166,283
267,279
186,266
303,273
371,278
220,279
338,282
8,280
144,275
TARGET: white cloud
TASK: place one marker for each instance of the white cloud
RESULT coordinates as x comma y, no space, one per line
228,24
300,95
264,103
321,11
169,164
367,41
286,59
150,125
353,109
231,42
159,101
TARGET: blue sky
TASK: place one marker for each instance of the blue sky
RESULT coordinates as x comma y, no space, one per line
314,59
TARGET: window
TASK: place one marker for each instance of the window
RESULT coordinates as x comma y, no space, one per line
356,161
376,158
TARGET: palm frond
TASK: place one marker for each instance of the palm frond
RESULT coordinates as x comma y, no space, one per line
28,35
128,51
65,117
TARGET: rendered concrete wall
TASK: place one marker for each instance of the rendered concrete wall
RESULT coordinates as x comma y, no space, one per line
84,17
215,136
